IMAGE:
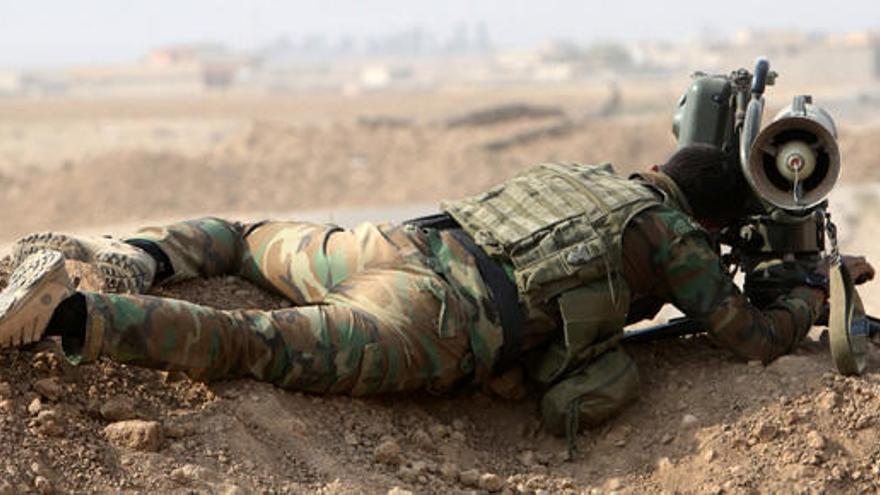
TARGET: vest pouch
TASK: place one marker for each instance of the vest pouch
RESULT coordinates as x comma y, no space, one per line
591,395
592,322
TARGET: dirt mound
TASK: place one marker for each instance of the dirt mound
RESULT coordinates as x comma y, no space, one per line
707,423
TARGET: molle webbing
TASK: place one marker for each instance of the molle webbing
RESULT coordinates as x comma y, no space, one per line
559,224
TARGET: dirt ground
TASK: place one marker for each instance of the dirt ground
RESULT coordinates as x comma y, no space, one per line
706,422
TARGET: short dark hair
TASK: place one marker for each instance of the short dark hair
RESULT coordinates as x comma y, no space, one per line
711,180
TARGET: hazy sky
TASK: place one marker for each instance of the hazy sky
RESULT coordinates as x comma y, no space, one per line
36,33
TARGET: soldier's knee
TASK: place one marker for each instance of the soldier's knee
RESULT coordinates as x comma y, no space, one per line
593,395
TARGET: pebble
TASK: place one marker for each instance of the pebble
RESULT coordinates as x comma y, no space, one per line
35,406
491,482
49,388
766,432
136,434
178,430
449,471
439,431
689,420
42,485
471,478
118,408
666,439
422,439
192,472
5,390
408,474
614,484
6,405
709,455
399,491
388,452
49,423
816,440
828,400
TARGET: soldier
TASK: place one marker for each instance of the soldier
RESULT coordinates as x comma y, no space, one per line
544,270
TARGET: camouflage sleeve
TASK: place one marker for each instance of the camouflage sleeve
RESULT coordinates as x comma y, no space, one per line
699,287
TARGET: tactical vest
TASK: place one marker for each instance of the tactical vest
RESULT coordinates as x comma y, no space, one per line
561,227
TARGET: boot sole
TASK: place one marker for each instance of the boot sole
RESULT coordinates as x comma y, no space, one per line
108,264
35,289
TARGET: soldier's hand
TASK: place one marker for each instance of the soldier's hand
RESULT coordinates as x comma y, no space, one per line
775,278
859,269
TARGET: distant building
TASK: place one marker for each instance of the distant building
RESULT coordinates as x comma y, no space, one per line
10,83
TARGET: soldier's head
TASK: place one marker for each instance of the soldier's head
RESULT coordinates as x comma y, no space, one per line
711,181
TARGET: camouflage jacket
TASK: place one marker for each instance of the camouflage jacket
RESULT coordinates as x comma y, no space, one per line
660,265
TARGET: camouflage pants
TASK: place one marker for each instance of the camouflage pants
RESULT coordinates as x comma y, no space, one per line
378,308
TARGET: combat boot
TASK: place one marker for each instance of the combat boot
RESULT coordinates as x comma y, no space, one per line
35,289
125,268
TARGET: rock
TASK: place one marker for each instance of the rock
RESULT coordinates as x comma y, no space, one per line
399,491
135,434
49,388
178,430
491,482
666,438
49,423
449,472
35,406
192,472
388,452
816,440
42,485
6,405
766,432
5,390
408,474
439,432
118,408
471,478
709,455
423,439
828,400
689,420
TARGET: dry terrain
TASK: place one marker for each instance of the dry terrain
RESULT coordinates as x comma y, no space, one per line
706,422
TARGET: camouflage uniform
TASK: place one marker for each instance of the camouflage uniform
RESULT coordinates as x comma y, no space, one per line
379,308
394,307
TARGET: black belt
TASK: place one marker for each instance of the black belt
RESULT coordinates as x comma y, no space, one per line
502,290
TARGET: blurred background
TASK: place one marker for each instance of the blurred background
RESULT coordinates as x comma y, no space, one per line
114,114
